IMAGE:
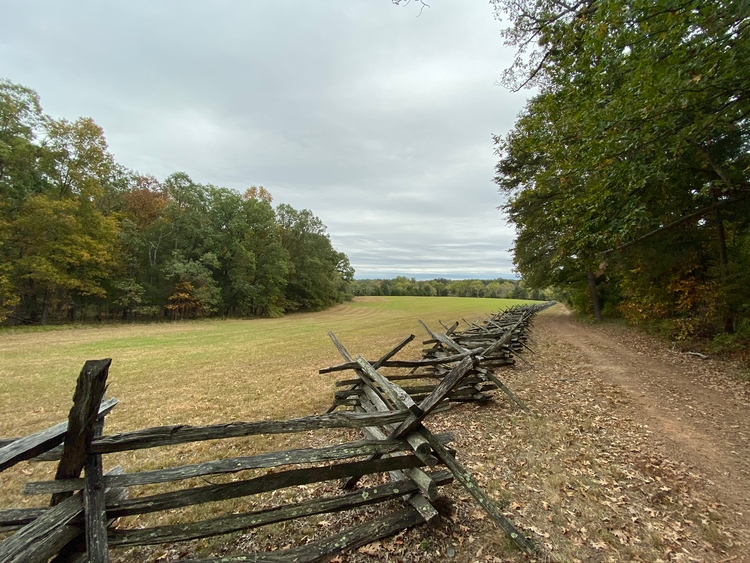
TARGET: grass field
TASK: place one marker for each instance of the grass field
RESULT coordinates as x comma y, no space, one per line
202,372
208,371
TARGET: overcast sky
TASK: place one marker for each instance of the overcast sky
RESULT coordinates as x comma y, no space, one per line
377,120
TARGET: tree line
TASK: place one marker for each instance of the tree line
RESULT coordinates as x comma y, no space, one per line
627,175
441,287
82,237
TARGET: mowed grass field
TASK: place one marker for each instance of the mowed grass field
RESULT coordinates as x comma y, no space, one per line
203,372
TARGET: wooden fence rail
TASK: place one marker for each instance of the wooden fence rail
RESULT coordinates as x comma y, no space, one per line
81,520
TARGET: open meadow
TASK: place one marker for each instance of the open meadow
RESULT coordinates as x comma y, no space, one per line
207,371
202,372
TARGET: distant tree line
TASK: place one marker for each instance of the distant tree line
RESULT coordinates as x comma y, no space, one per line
441,287
83,238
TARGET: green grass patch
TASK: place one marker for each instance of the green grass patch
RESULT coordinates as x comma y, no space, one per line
209,370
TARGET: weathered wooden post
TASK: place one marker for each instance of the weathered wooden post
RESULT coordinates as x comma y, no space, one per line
92,382
52,531
82,427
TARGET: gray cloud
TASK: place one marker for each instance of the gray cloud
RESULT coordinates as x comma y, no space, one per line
378,121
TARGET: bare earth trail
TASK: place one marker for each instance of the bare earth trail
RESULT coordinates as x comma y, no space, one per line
698,414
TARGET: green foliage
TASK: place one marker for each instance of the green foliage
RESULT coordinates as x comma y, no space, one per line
318,275
495,289
83,237
633,159
737,343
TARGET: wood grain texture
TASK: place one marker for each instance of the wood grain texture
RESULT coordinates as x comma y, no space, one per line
181,434
238,522
323,550
230,465
90,388
265,483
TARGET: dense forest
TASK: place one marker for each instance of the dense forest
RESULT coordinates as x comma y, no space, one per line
627,174
82,237
441,287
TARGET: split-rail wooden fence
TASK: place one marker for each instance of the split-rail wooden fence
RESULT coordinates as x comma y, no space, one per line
80,523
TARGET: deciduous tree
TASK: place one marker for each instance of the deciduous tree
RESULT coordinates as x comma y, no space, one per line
640,126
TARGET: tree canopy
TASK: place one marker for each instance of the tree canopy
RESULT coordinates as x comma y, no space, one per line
630,166
83,237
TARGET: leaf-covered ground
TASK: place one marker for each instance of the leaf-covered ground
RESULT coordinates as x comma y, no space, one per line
635,452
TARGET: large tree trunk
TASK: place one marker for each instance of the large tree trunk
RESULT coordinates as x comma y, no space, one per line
594,295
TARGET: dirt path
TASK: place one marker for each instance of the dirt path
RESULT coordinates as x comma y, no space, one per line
697,410
706,427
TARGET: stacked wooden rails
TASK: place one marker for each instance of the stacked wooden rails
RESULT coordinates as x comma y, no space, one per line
79,523
504,334
376,393
500,337
87,516
483,332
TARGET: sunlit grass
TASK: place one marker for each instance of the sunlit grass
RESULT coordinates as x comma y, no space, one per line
203,372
